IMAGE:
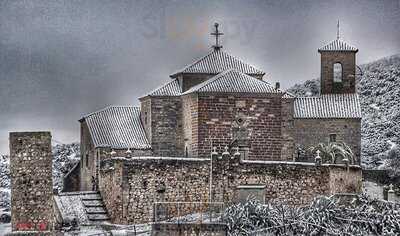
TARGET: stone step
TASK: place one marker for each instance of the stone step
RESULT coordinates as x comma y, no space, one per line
98,217
93,203
92,197
95,210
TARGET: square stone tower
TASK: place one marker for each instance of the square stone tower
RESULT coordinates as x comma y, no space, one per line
31,181
338,67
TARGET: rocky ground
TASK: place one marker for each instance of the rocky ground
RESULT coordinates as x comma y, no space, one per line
378,85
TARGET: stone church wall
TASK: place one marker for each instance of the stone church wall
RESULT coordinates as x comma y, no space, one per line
190,121
166,126
262,116
145,181
31,181
310,132
91,157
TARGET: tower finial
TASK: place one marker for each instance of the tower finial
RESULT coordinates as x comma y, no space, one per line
216,33
338,31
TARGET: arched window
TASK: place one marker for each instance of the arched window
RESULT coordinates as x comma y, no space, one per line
337,73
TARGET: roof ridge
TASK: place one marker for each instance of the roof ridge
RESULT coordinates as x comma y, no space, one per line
191,64
109,107
330,94
226,72
160,87
207,82
342,46
237,58
220,53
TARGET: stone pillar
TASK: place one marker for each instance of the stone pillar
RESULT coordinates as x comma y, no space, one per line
31,181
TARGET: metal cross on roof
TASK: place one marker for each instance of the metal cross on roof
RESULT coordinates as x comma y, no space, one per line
338,31
216,33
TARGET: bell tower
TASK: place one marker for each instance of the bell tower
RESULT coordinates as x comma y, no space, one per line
338,67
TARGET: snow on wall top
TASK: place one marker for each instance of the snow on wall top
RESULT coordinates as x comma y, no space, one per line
217,61
171,88
234,81
338,45
328,106
117,127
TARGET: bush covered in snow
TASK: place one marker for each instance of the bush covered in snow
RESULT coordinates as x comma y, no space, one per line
65,157
379,91
324,216
4,181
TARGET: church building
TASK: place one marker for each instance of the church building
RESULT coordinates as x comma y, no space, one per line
221,101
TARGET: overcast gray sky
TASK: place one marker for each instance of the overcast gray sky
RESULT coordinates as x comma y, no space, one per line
62,59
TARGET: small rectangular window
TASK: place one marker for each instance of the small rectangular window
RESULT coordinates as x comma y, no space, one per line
332,138
145,117
87,160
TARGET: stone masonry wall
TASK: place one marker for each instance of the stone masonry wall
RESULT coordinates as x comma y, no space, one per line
348,61
166,126
309,132
88,153
288,132
31,181
217,114
190,121
148,180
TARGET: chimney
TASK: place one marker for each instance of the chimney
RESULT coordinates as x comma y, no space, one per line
277,85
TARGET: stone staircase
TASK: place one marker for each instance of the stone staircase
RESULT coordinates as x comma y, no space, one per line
86,207
94,207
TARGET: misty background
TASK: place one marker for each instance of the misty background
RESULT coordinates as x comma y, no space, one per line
60,60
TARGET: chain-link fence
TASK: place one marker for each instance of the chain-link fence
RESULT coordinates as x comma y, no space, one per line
188,212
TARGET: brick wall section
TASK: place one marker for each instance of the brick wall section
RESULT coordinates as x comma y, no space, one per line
309,132
348,61
166,126
148,180
88,154
145,116
217,112
288,132
31,181
190,121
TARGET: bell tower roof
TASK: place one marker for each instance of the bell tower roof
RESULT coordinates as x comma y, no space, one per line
338,45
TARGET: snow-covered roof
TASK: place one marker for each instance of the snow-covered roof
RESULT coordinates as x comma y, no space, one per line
328,106
233,81
288,95
216,62
117,127
171,88
338,45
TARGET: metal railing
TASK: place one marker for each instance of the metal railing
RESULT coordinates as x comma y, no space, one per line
188,212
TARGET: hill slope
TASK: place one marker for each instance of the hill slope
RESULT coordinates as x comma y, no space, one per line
379,89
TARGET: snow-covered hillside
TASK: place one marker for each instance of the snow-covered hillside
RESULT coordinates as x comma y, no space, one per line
379,89
65,156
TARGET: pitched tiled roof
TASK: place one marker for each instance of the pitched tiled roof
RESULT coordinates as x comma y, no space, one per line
171,88
117,127
216,62
288,95
338,45
233,81
328,106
